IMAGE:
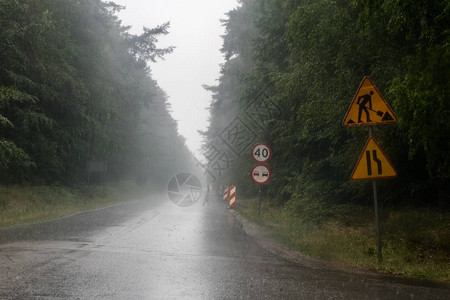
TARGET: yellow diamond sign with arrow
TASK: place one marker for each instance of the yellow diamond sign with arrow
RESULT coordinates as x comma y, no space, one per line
368,107
373,163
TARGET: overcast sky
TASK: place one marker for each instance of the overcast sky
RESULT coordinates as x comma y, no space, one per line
195,31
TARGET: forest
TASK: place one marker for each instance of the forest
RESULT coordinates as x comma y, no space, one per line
76,88
76,91
292,69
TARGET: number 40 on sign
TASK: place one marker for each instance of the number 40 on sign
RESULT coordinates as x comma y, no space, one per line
261,152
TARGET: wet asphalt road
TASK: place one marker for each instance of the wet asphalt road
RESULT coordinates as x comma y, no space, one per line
151,249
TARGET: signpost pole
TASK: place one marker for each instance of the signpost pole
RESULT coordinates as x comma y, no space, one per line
259,201
377,223
375,203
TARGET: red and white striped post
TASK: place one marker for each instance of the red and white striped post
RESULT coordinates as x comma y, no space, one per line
225,193
232,197
220,191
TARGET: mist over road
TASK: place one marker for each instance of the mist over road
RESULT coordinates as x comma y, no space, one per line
152,249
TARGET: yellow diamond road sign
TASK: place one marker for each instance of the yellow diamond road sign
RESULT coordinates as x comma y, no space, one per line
373,163
368,107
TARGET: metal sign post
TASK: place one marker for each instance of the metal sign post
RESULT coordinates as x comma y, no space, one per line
377,222
259,202
375,204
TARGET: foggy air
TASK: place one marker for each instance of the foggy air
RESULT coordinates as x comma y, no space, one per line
278,149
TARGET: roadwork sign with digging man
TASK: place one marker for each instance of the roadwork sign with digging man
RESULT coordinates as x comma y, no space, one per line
368,107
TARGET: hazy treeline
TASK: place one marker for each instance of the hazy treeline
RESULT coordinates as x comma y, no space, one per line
75,87
309,58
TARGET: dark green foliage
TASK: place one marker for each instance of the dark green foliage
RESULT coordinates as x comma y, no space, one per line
75,87
311,56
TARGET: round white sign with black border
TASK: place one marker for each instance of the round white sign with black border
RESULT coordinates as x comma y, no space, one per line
261,152
260,174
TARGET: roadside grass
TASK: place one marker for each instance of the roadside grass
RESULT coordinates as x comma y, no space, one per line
415,242
30,204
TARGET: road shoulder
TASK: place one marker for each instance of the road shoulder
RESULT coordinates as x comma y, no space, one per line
263,237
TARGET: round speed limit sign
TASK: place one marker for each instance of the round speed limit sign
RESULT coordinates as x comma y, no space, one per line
261,153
